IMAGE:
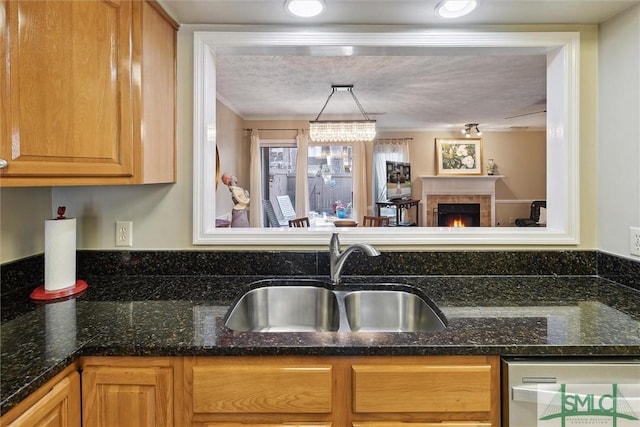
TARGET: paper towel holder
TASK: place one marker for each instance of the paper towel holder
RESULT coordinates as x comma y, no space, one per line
57,229
40,294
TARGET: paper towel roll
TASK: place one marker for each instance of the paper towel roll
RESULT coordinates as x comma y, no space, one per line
59,254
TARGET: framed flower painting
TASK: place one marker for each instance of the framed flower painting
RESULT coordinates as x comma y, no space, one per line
459,156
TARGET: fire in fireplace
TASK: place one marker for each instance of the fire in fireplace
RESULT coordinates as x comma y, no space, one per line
458,215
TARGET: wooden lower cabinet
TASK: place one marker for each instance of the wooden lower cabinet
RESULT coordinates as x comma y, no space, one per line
261,424
412,391
56,404
131,391
264,391
278,391
437,424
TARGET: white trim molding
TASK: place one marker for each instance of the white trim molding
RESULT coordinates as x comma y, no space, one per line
563,72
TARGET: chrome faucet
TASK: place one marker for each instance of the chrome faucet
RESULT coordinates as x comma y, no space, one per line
338,258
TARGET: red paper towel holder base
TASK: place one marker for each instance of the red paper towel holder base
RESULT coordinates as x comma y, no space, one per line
40,294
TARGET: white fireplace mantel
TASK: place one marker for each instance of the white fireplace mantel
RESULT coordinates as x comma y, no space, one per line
476,185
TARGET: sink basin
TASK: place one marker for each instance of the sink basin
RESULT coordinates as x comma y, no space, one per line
309,308
285,309
390,311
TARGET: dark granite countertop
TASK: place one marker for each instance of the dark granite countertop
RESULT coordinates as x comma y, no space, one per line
182,315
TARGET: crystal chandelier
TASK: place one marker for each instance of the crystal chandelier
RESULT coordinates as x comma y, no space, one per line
342,130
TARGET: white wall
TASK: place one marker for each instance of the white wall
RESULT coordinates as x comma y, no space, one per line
162,214
618,161
22,215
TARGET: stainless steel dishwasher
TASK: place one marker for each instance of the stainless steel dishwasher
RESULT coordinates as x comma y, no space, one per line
547,392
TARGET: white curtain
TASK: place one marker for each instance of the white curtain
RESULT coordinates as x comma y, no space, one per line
383,150
359,181
302,190
255,207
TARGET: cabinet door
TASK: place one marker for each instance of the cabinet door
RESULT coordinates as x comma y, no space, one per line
403,424
154,88
60,407
127,396
66,92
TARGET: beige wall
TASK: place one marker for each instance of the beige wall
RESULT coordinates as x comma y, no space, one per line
233,149
520,156
162,214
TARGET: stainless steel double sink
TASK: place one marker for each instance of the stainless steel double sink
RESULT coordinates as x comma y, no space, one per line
309,307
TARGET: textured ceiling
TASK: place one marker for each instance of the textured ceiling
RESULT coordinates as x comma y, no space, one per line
401,89
400,92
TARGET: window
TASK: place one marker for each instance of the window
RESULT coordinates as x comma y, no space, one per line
563,125
330,180
278,177
383,150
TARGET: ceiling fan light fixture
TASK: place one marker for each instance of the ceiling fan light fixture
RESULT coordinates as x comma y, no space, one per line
305,8
342,130
466,131
455,8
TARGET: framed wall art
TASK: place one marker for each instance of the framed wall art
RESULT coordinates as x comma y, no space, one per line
458,156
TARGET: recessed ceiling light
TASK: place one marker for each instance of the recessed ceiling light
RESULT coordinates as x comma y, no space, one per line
305,8
455,8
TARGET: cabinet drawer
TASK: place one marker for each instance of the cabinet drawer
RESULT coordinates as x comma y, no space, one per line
285,424
403,424
262,389
421,388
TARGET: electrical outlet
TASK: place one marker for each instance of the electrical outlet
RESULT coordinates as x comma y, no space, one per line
124,233
634,241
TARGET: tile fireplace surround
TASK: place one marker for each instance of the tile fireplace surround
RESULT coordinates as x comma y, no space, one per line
460,189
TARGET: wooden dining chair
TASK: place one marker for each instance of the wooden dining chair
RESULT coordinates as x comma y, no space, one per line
375,221
299,222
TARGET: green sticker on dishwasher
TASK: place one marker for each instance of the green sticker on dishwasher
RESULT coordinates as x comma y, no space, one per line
593,405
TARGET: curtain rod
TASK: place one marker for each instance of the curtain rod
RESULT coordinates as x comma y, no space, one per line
281,129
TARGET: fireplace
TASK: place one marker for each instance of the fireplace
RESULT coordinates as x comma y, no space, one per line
480,189
457,215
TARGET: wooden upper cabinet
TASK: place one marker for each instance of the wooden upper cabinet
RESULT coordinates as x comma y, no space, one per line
154,85
72,92
69,89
